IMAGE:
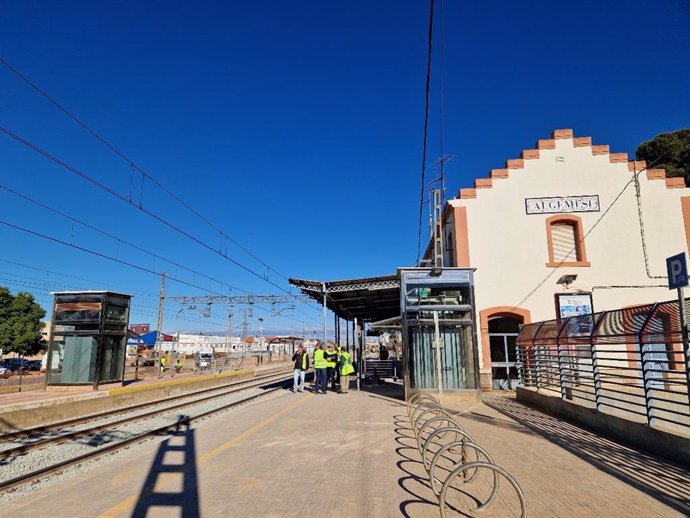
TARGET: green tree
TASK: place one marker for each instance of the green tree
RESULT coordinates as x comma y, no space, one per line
20,323
672,150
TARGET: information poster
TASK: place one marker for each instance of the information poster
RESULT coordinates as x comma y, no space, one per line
574,304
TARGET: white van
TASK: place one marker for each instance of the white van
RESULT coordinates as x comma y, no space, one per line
203,359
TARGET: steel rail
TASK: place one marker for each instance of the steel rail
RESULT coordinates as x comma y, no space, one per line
28,432
42,443
56,468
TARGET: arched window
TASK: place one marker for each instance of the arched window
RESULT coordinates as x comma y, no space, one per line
565,241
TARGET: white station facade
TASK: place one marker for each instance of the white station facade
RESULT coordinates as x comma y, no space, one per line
568,228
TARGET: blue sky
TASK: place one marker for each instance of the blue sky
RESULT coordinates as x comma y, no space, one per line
296,127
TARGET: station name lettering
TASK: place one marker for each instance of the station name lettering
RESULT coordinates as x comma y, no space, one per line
556,205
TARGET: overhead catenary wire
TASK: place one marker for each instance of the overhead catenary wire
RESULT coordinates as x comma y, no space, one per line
426,127
103,256
44,289
116,238
134,167
62,274
126,200
129,290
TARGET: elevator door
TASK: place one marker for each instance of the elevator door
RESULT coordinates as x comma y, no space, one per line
456,360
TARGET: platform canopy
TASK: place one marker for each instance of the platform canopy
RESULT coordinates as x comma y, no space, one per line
367,299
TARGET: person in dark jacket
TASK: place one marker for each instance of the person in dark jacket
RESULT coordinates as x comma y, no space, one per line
383,352
301,359
332,362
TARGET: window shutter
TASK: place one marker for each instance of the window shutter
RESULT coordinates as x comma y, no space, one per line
563,239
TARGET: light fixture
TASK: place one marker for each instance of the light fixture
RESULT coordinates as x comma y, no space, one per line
567,279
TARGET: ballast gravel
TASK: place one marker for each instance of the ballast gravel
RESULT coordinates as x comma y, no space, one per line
53,454
7,445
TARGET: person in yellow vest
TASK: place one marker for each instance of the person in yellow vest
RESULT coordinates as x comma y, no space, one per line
163,363
320,370
346,368
178,365
331,364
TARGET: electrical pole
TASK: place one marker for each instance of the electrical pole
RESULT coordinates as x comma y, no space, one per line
229,333
261,340
245,325
159,331
323,289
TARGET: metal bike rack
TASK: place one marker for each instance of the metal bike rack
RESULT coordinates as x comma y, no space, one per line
424,405
464,445
486,465
433,410
443,424
418,398
445,417
466,438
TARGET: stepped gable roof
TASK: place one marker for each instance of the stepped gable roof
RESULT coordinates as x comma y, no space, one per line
513,164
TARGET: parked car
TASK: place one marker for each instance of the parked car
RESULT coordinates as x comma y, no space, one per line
17,364
34,365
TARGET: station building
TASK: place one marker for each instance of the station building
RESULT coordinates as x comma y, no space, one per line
567,228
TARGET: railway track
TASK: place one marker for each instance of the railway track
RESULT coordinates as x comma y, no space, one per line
40,431
108,432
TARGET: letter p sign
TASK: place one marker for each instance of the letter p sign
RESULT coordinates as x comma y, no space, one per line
677,269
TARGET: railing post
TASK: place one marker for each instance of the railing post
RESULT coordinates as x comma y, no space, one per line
684,335
595,363
535,355
649,407
595,369
537,366
559,352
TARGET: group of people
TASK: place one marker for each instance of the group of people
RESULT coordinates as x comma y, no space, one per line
332,365
163,363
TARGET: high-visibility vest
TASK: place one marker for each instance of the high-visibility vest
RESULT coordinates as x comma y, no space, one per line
331,362
346,365
319,360
304,360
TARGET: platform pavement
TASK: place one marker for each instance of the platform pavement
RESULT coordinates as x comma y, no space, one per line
306,455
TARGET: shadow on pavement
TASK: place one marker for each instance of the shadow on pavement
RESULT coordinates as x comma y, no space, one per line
410,482
172,484
667,482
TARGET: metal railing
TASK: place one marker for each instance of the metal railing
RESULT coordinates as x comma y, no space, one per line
439,436
628,362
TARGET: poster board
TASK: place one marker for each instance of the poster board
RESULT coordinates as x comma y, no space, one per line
573,304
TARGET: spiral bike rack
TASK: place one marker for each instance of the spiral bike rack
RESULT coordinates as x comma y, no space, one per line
420,397
446,418
421,407
419,424
498,470
442,424
465,439
464,445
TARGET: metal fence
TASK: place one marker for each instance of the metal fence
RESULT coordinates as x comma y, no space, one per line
628,362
